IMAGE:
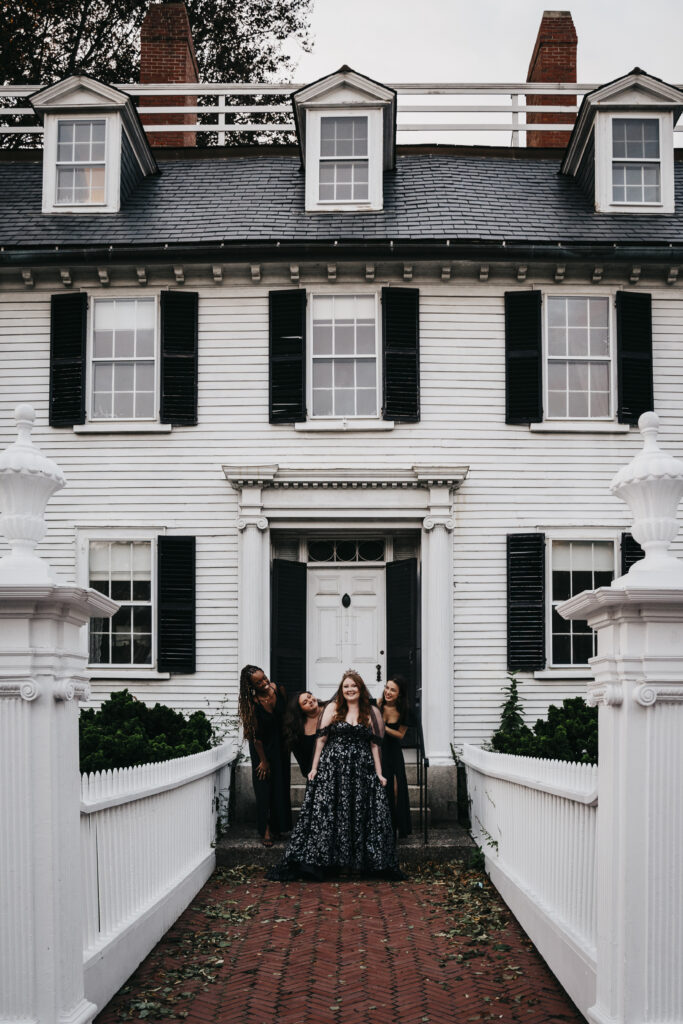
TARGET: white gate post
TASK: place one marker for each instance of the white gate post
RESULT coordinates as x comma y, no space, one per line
638,687
42,677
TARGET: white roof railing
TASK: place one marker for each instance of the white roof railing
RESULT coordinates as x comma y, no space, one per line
494,108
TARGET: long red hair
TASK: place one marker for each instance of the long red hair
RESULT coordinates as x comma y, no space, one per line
341,706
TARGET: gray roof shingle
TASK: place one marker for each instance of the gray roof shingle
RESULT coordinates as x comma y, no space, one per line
430,196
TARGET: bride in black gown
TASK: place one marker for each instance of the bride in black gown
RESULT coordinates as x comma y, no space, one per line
345,820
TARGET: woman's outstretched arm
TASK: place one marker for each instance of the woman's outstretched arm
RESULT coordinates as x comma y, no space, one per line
377,734
325,718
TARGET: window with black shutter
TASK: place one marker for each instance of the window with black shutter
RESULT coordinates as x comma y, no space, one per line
287,356
401,354
526,601
523,357
68,325
179,362
176,604
634,355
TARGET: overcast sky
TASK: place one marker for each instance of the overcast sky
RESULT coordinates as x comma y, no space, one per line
488,40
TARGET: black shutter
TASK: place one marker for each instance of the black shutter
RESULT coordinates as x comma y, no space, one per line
523,357
176,604
68,324
403,617
401,354
634,355
179,365
631,552
288,624
526,601
287,392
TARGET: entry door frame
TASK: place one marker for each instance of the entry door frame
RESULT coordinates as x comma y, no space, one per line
418,497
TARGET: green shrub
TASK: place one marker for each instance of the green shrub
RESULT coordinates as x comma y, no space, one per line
570,733
125,732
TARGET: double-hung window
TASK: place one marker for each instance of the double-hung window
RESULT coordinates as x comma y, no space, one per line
636,160
575,565
81,163
578,358
122,570
343,166
344,356
124,359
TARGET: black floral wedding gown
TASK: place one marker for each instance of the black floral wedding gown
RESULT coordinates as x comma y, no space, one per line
345,820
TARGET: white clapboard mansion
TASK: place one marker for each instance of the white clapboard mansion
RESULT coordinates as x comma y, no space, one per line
346,404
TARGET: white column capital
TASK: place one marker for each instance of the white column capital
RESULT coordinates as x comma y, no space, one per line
429,522
258,522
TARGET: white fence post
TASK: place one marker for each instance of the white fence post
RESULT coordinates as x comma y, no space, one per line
638,687
42,677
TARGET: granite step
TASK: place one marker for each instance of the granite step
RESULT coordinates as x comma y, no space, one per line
241,845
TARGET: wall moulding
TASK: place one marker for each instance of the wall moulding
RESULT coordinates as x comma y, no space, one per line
502,273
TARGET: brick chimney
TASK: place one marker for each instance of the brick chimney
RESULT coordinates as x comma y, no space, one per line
167,55
553,60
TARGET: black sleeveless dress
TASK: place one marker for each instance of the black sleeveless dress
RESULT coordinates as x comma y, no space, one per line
303,751
345,820
273,807
394,771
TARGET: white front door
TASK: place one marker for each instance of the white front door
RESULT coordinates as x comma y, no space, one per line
346,627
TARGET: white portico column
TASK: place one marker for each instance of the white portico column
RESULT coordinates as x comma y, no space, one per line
42,678
638,688
253,643
254,596
437,627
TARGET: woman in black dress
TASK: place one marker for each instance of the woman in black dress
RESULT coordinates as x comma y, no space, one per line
261,710
394,708
301,723
345,820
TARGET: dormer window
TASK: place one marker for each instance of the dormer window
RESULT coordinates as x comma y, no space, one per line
347,126
343,159
636,164
621,151
81,162
95,152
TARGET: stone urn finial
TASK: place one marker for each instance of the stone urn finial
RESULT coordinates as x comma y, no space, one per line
652,486
28,479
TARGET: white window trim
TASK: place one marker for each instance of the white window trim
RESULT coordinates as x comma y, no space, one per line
375,159
84,537
112,177
604,160
342,423
601,423
149,424
599,535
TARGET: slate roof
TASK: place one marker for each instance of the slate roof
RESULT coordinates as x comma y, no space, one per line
430,196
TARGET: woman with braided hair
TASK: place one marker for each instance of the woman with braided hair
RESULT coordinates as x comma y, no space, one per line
261,710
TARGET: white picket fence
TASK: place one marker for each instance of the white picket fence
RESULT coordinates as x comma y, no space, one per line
147,847
535,820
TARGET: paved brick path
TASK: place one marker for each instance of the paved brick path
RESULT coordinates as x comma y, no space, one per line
250,951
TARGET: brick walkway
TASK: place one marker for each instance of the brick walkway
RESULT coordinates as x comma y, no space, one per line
437,949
